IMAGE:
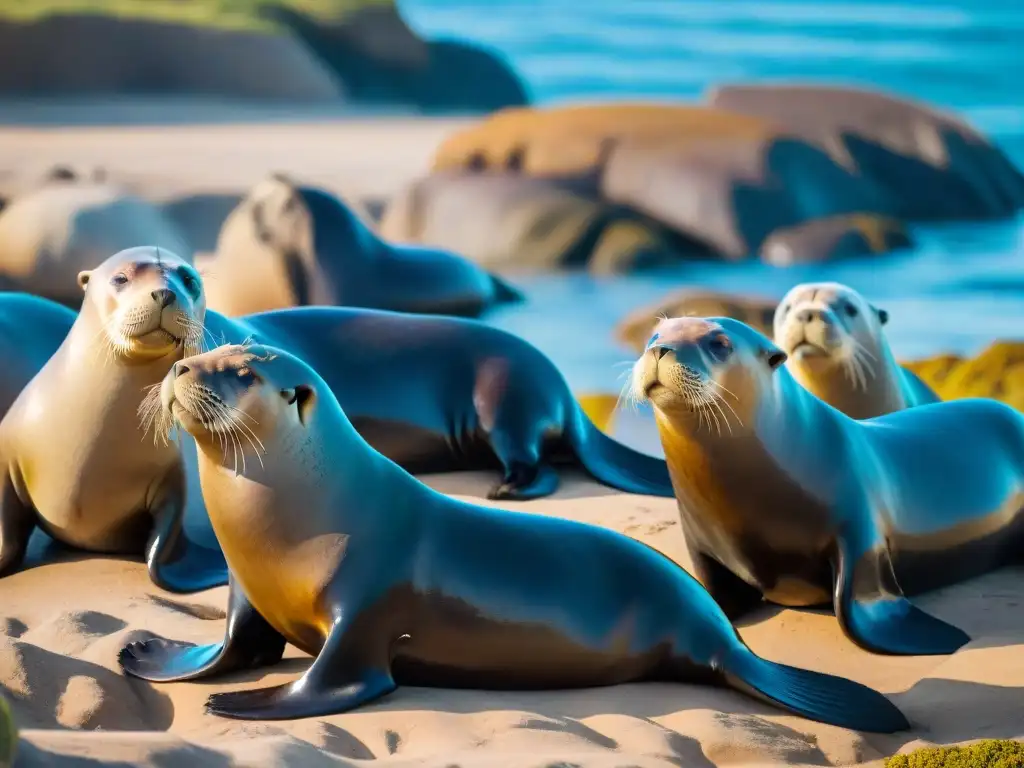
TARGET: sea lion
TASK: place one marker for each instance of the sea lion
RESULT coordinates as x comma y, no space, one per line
287,245
837,349
71,461
388,582
790,499
435,393
31,330
51,233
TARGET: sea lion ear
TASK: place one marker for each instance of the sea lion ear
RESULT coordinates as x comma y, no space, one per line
883,316
775,357
83,278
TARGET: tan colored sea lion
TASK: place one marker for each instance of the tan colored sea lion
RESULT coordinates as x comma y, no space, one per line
837,349
288,245
72,458
49,234
783,497
387,582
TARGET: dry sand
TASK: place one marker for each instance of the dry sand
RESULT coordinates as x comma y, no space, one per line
64,623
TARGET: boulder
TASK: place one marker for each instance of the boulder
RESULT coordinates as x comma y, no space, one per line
575,141
935,166
732,192
834,237
635,329
506,221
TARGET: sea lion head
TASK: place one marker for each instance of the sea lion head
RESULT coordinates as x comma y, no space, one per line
149,301
237,396
826,327
712,370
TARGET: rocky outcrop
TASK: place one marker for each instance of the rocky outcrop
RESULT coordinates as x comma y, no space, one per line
368,55
635,329
835,237
996,372
511,222
789,175
934,165
104,55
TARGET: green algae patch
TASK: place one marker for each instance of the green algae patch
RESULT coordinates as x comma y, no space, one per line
991,753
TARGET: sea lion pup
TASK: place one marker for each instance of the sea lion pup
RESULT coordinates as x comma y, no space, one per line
71,458
785,497
838,350
388,582
288,245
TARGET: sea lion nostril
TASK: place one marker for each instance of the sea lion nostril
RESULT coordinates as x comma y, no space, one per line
164,297
806,315
660,352
180,369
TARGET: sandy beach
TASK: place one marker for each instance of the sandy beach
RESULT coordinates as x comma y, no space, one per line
64,623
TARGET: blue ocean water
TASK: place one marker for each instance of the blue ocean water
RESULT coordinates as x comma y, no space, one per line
960,288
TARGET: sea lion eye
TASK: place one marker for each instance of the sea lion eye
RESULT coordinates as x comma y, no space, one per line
850,310
720,347
119,279
190,283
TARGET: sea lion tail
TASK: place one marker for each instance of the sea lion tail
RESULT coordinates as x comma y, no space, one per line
506,293
814,695
615,464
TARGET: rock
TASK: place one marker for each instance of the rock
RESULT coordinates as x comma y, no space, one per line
106,55
51,233
722,182
635,329
996,372
835,237
935,165
364,53
507,221
575,141
732,191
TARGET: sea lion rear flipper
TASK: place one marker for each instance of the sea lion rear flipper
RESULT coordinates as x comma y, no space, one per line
871,607
175,563
522,482
337,681
249,642
734,596
17,521
815,695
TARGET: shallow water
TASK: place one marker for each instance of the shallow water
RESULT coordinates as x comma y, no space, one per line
960,288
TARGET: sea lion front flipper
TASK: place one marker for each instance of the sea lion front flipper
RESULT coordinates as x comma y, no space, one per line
340,679
871,607
17,521
522,482
734,596
175,563
249,642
